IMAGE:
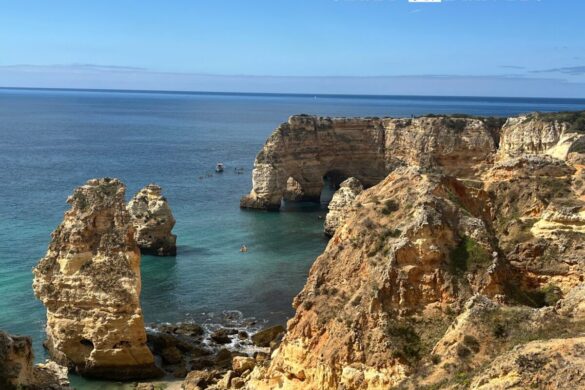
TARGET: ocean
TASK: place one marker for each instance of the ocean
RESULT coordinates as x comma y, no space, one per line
54,140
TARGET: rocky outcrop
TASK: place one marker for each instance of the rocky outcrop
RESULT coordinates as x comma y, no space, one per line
383,291
341,203
549,364
550,134
89,281
17,369
153,222
537,220
462,268
306,149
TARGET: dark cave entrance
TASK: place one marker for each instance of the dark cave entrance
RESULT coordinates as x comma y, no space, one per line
331,181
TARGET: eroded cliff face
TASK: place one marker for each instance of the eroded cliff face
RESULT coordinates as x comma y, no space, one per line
538,134
461,269
538,220
89,281
17,369
153,222
306,149
409,256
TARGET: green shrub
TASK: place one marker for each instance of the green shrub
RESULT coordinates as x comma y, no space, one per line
462,351
390,206
575,119
468,256
436,359
471,343
406,341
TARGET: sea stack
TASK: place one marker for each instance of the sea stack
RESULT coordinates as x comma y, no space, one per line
89,281
153,222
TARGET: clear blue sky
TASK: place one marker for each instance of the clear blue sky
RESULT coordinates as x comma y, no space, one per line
457,47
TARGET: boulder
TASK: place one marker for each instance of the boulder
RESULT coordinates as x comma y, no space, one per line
240,364
264,337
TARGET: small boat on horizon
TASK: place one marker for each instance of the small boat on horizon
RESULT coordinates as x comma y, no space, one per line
219,167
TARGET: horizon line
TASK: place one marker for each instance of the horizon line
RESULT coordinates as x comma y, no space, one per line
292,94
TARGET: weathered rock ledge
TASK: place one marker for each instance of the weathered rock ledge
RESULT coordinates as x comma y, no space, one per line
341,203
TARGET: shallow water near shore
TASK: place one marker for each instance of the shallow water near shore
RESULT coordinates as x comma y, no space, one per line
53,141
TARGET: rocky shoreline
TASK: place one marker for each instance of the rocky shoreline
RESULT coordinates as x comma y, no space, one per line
456,260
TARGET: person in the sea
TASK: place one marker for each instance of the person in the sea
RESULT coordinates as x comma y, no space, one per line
243,248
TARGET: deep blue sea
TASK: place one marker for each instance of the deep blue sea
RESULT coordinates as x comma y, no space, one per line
52,141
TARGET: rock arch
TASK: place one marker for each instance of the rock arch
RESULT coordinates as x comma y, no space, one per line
308,148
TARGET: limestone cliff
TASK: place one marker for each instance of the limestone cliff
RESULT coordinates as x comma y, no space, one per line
462,268
341,203
308,148
153,222
17,369
551,134
89,281
410,254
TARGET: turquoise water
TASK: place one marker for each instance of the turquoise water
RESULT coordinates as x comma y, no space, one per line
53,141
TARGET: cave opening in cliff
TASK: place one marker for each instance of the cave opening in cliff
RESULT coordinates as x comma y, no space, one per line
331,181
86,343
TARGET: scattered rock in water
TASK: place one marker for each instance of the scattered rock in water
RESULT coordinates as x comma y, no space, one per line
172,355
199,379
242,335
153,222
222,335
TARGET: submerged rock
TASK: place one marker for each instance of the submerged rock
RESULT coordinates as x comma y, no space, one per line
89,281
340,204
153,222
18,372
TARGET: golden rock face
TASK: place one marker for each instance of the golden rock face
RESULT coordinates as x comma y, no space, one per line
472,247
153,221
89,282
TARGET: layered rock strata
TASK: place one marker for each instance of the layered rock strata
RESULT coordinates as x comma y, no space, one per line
89,281
305,149
341,203
153,222
17,369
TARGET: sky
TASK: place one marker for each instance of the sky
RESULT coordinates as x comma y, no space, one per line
526,48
